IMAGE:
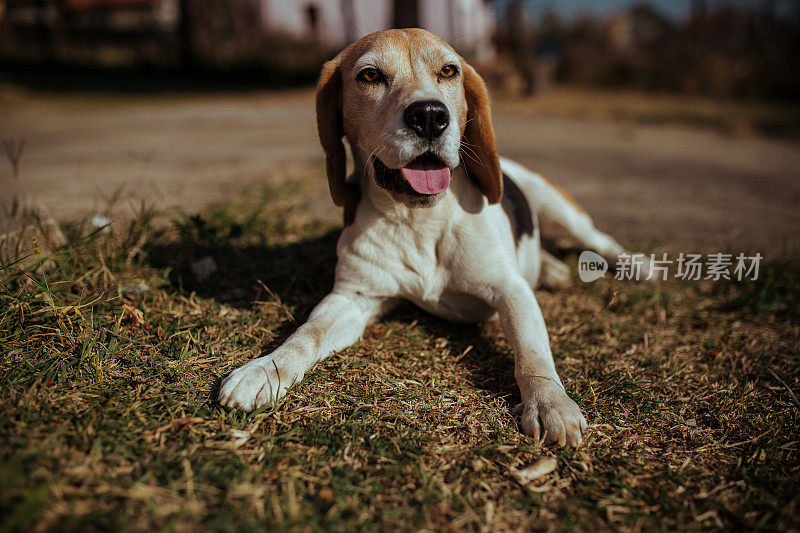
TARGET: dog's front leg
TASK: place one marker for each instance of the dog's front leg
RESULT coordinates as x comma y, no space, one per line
336,323
547,413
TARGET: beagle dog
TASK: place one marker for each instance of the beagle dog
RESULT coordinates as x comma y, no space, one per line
432,215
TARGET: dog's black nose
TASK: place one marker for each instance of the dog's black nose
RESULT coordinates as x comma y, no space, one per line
428,118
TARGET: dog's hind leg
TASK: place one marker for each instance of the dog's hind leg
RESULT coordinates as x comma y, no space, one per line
553,204
540,268
555,274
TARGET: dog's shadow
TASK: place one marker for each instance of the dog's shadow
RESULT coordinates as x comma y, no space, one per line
295,277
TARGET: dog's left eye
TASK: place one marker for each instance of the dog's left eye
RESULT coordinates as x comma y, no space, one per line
448,71
370,75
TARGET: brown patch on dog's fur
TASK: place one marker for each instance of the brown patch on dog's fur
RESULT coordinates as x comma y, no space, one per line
518,210
331,131
479,154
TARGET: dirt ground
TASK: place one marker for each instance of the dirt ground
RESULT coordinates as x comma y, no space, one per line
679,187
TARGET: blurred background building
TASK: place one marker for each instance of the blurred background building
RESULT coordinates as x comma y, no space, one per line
283,33
335,23
742,48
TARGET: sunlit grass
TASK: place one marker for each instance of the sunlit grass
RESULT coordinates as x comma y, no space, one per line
108,418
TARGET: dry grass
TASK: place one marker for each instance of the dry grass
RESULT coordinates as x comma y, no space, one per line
108,419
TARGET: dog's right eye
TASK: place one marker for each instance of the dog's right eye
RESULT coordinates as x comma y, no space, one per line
370,75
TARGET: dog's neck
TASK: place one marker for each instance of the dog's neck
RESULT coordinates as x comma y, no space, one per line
462,192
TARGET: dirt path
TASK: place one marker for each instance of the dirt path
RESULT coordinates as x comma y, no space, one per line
683,187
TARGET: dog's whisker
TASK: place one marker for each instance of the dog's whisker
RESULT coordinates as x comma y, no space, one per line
376,153
470,153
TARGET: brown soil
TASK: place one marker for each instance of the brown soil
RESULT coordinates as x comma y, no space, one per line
681,187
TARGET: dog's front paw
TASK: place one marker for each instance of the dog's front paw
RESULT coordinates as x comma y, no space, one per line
549,415
253,385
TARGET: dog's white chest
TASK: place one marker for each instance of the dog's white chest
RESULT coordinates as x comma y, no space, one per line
391,259
441,262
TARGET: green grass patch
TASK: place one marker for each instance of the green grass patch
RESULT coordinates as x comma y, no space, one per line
112,348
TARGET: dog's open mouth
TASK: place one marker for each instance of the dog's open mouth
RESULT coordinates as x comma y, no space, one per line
426,175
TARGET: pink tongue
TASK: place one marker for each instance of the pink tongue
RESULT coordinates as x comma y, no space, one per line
426,178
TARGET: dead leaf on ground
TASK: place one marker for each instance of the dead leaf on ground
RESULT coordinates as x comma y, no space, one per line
535,472
239,437
135,315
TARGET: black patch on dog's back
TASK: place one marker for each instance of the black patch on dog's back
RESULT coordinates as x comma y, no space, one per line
518,210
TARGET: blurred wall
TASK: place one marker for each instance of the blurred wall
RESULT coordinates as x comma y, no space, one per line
294,17
467,24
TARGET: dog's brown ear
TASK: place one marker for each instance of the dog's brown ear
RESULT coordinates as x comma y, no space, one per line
331,130
477,145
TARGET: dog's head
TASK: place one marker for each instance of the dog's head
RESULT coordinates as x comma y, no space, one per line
412,110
